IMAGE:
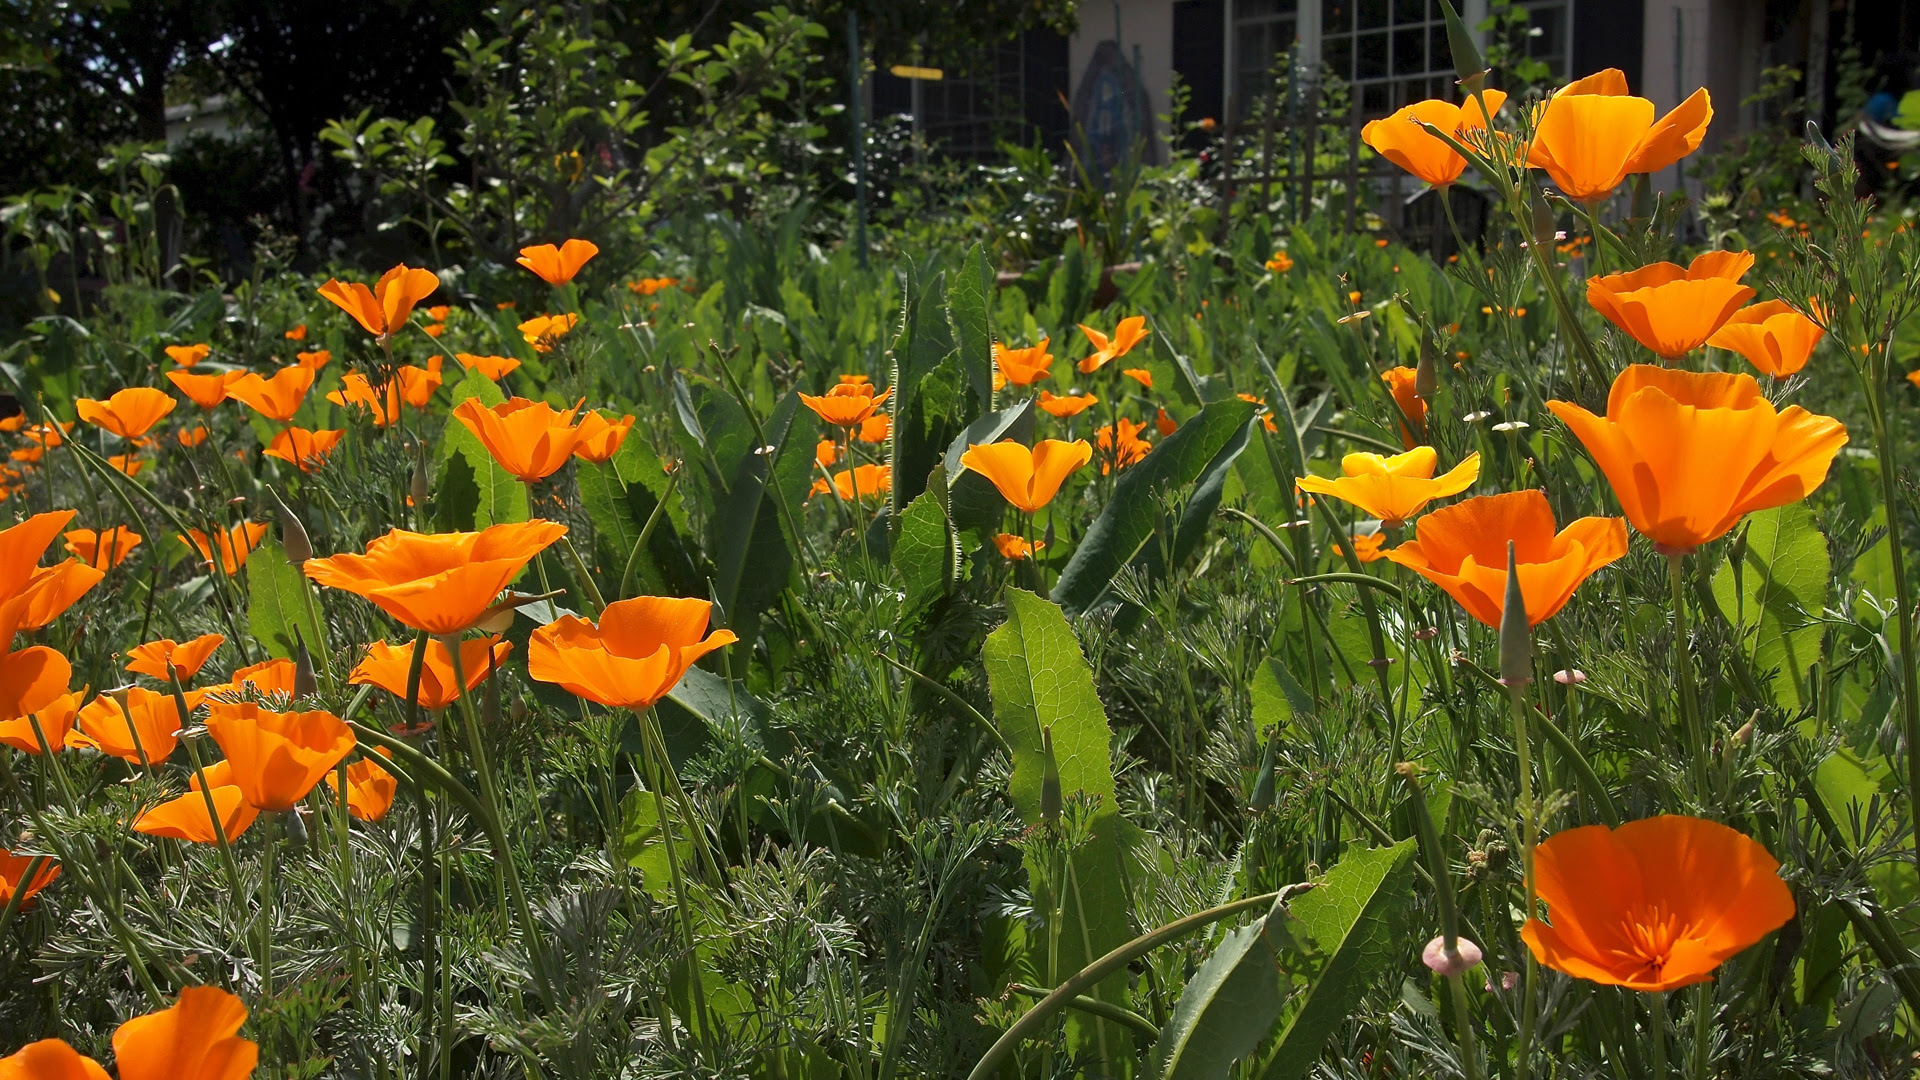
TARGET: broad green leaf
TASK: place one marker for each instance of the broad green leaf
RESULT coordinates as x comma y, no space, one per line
1774,596
1355,921
967,315
1225,1011
619,496
923,553
499,498
748,540
276,604
1278,697
1126,523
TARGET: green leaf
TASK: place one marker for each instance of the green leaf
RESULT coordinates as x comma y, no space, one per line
750,554
924,552
1356,922
498,497
276,605
1225,1011
1776,593
619,496
1126,523
967,315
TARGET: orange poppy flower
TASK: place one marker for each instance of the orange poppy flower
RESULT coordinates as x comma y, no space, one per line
493,368
355,391
370,788
1401,381
1016,547
1070,405
388,666
857,483
384,309
206,391
1654,904
1592,134
1401,138
1140,375
1367,547
1463,549
556,266
440,582
22,545
235,545
191,437
417,384
147,723
1690,454
198,1037
1670,309
128,413
649,286
268,677
55,721
184,817
277,398
1394,489
315,360
1165,424
1120,445
847,403
633,658
277,757
530,439
1023,367
298,333
877,428
1028,478
825,453
1281,262
188,355
600,438
308,450
12,869
155,657
1131,331
51,591
1771,336
439,312
131,464
542,331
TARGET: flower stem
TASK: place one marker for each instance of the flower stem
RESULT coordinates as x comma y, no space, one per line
1657,1021
1697,748
1516,697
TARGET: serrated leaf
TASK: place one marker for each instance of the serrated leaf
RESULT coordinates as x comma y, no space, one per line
923,551
275,604
967,315
1225,1011
1777,593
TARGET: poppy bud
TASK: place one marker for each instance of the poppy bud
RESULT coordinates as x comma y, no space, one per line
1543,221
417,486
293,534
1263,787
1460,959
1467,63
297,828
303,683
1050,799
1426,379
1516,640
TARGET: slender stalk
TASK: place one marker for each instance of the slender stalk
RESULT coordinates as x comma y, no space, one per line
651,759
1516,696
1697,748
1657,1015
1903,594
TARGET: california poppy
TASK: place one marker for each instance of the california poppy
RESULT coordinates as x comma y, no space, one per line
857,483
130,724
191,437
1063,407
155,658
1120,445
235,545
529,439
49,592
1402,383
274,676
184,817
370,788
13,869
1689,454
1654,904
1671,309
313,360
206,391
556,266
389,667
1165,424
1771,336
1402,139
129,413
1028,478
1463,549
298,333
1141,376
1394,489
1131,331
355,391
877,428
22,545
1023,367
277,757
1367,547
846,404
543,331
196,1037
649,286
55,721
188,355
131,464
1591,135
1280,263
307,450
825,453
277,398
384,309
634,657
493,368
439,582
1015,547
417,383
600,438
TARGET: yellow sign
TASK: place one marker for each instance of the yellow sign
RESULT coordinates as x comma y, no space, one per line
908,71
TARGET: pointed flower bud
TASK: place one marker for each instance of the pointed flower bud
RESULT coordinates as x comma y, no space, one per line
1426,375
1467,63
293,534
1516,640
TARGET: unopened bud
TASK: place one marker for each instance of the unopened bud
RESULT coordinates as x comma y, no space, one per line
1462,958
1468,67
1744,735
1516,636
1426,375
1050,797
293,534
303,681
417,486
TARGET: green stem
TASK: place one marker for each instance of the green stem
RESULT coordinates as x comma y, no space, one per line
1657,1014
1697,749
651,760
1516,695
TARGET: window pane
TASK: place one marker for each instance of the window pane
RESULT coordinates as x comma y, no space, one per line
1337,54
1373,100
1336,16
1439,53
1409,11
1409,52
1370,56
1373,13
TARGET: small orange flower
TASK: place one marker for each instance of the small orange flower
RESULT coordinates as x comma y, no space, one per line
131,464
1140,375
1401,382
1023,367
439,312
1463,549
52,590
383,402
493,368
188,355
128,413
600,438
1592,134
1690,454
307,450
268,677
370,788
277,398
1131,331
1771,336
1670,309
315,360
1394,489
298,333
55,722
434,330
1401,138
1064,407
854,485
417,384
191,437
440,582
846,403
827,452
105,549
1655,904
557,266
147,725
235,545
1016,548
649,286
542,331
1028,478
184,817
530,439
1165,424
1280,263
384,309
1120,445
206,391
389,666
877,428
277,757
13,868
155,657
633,658
1367,547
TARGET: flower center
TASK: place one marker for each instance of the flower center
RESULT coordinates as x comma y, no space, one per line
1651,932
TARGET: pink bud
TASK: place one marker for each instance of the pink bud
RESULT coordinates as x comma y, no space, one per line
1570,677
1461,958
